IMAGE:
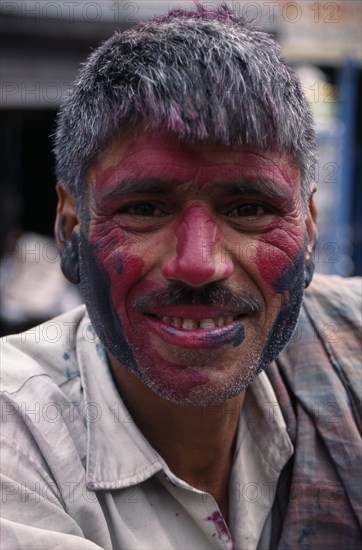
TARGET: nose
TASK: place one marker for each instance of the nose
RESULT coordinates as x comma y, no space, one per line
199,257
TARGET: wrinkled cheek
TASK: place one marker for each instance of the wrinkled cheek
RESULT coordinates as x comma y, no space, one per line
280,261
122,261
277,257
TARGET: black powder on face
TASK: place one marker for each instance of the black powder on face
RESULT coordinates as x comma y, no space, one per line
292,284
234,336
69,255
95,286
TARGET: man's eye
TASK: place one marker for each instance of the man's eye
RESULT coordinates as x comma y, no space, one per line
250,210
144,210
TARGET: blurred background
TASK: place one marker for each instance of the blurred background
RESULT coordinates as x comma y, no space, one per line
43,44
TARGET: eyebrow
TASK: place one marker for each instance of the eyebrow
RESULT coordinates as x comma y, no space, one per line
266,188
141,187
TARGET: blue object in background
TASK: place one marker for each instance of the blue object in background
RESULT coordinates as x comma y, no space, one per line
338,224
343,206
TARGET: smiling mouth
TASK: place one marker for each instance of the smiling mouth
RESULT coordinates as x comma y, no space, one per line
199,324
198,329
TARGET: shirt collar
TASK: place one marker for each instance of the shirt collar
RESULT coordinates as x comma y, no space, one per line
118,455
263,418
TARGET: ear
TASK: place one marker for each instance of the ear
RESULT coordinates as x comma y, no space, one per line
66,218
67,235
312,234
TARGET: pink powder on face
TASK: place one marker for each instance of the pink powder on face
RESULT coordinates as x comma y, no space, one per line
196,233
277,249
172,380
155,158
165,158
248,165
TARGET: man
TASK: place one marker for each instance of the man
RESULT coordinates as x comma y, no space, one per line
185,158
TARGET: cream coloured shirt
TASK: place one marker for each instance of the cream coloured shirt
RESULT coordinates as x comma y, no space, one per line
77,473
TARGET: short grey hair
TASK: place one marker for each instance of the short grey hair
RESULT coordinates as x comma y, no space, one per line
207,75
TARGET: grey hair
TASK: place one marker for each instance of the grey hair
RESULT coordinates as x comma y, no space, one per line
207,75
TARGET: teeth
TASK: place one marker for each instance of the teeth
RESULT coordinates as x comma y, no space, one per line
189,323
198,324
207,323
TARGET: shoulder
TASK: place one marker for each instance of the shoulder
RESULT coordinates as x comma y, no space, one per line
44,434
323,357
335,294
40,399
322,361
332,308
46,350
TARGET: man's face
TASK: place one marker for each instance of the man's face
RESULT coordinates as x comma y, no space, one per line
192,262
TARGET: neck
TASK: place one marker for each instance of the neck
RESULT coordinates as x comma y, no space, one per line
197,443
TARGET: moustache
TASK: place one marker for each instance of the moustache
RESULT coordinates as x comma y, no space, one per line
212,294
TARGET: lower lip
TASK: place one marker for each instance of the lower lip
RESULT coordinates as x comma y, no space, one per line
231,335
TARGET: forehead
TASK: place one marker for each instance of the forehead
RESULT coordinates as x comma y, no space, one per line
163,155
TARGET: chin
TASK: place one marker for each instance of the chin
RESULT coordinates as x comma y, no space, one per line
219,386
